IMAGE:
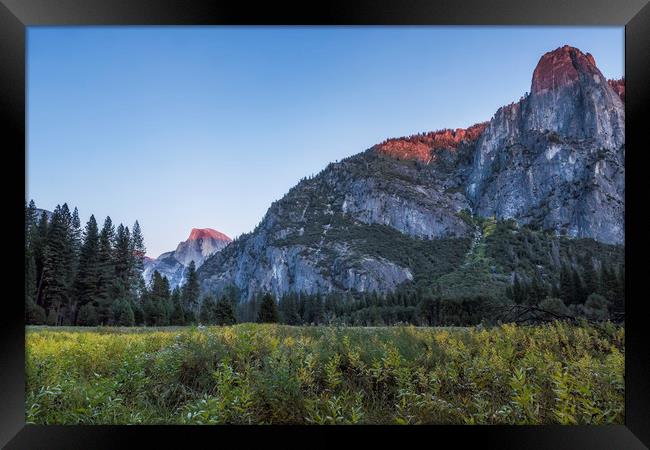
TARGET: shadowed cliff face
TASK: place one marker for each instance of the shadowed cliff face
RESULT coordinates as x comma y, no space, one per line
554,159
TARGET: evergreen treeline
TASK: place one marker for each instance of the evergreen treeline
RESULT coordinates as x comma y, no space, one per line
594,296
94,277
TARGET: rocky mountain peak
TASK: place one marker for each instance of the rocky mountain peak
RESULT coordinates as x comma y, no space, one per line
571,97
201,243
203,233
561,67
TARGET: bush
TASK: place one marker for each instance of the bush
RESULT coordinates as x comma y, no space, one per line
123,313
87,315
207,312
52,318
272,374
554,306
596,307
35,314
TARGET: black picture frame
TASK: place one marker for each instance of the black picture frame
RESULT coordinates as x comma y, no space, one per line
16,15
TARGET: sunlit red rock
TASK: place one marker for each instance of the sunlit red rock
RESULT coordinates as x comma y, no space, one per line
561,67
422,147
203,233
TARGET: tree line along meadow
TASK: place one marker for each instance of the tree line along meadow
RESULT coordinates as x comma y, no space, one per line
94,276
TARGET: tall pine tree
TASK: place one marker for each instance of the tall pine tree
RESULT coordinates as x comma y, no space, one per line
138,250
39,243
191,290
268,310
88,274
106,272
58,263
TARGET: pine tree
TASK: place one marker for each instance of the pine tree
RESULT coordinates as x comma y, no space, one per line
428,309
150,310
38,243
87,315
207,311
592,280
157,305
122,313
519,294
250,309
75,231
268,310
191,290
57,271
289,309
138,251
224,313
34,314
567,286
52,318
72,244
579,288
190,317
538,291
138,312
30,216
178,315
317,310
123,259
30,262
85,286
106,272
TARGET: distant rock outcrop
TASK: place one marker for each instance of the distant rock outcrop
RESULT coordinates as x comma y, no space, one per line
202,243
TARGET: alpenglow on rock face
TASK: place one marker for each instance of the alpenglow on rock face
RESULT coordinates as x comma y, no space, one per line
202,243
554,159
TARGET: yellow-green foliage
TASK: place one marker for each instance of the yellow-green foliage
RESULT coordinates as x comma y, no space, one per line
251,374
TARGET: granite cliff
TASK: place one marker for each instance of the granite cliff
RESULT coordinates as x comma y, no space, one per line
401,210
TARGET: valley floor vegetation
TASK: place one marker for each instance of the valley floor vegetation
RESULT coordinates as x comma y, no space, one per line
249,373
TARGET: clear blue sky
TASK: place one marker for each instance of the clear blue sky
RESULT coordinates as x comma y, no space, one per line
183,127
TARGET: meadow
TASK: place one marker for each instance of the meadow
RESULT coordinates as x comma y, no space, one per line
278,374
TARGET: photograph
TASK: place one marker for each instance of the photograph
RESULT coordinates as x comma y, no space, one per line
325,225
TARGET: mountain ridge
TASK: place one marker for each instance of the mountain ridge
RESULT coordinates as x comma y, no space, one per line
554,160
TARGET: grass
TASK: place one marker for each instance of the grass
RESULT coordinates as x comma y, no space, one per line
272,374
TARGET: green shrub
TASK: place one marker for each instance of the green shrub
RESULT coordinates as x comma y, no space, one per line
87,315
